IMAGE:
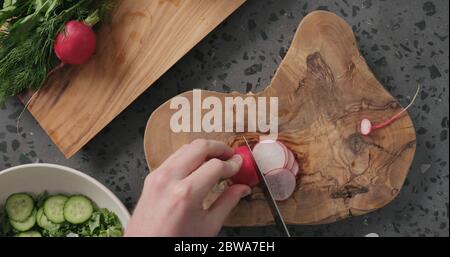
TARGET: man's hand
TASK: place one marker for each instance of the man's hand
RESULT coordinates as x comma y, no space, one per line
171,201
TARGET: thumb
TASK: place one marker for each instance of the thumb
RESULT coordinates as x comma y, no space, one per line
220,209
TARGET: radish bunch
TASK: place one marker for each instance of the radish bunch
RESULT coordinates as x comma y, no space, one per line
276,162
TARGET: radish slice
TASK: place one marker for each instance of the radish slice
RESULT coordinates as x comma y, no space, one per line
267,141
281,183
295,169
270,156
291,160
366,127
286,152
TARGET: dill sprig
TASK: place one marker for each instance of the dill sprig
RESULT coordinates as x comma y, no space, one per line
27,32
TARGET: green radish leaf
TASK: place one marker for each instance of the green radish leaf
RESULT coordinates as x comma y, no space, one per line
7,13
8,3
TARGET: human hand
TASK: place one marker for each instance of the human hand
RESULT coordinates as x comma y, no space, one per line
172,197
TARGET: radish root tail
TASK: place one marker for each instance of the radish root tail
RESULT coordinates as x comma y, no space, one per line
50,73
396,116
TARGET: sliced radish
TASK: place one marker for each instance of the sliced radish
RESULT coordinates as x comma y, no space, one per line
267,141
366,127
270,156
291,160
295,169
281,183
286,152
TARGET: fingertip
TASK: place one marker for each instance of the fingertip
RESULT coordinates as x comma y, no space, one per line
241,190
229,152
246,191
220,150
235,162
237,159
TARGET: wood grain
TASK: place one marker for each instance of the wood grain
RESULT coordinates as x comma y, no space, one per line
325,88
140,43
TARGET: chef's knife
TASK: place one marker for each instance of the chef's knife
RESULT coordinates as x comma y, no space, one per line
279,221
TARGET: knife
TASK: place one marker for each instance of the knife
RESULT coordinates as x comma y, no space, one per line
279,221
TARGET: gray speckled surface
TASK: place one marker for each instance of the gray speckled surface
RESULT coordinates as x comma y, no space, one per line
405,42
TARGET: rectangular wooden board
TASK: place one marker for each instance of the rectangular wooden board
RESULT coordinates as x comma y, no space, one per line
140,43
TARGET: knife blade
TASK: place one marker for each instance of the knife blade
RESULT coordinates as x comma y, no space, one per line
278,217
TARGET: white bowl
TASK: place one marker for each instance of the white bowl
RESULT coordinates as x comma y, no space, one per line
37,178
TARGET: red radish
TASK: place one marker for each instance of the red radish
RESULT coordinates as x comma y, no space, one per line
295,169
247,174
281,183
366,127
270,155
76,43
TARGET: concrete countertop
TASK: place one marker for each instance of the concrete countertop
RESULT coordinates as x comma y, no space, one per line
404,42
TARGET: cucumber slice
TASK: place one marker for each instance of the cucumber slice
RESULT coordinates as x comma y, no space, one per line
29,234
24,225
19,206
54,208
42,220
78,209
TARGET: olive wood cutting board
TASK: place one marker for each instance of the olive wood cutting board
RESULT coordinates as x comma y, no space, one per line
141,42
324,88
